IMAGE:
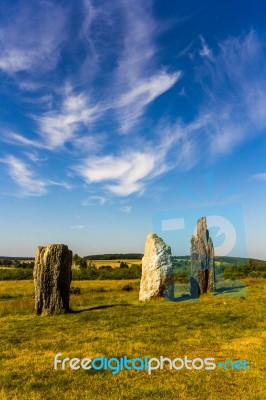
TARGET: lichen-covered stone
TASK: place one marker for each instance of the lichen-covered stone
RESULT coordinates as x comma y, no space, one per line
157,271
52,278
202,261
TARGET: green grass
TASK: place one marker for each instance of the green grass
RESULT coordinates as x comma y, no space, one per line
113,323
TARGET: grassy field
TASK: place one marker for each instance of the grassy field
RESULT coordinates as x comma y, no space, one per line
114,263
112,322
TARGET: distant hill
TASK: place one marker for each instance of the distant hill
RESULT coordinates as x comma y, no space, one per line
16,258
232,260
220,259
115,256
138,256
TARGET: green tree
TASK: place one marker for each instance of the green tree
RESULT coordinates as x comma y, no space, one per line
123,265
83,263
76,259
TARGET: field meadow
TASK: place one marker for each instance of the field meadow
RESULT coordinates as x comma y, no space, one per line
114,263
109,320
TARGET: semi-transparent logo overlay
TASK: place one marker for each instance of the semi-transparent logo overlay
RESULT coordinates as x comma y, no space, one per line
226,228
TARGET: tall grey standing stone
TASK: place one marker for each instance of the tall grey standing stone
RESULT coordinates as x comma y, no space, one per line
52,278
157,279
202,261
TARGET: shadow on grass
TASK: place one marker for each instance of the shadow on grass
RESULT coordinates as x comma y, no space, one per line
184,297
226,289
97,308
217,292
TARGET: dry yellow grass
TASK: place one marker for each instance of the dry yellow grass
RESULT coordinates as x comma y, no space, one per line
112,322
114,263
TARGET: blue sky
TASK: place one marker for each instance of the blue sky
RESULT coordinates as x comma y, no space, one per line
114,112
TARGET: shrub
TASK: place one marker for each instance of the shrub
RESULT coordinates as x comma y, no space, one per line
181,277
106,267
135,270
123,265
127,288
83,263
15,274
75,290
253,269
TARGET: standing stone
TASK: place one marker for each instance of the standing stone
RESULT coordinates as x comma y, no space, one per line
52,277
202,261
157,279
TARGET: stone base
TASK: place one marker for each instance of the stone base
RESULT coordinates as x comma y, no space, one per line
203,283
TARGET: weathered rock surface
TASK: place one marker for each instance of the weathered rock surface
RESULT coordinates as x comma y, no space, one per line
202,261
157,278
52,278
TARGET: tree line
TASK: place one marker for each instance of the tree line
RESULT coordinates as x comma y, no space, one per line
115,256
252,269
86,269
10,262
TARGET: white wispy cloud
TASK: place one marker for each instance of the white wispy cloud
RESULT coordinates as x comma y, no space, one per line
88,31
30,39
230,78
137,80
131,105
134,84
94,200
56,128
237,116
259,177
19,139
234,98
125,174
24,177
126,209
27,180
233,107
205,50
62,184
76,227
139,32
35,157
